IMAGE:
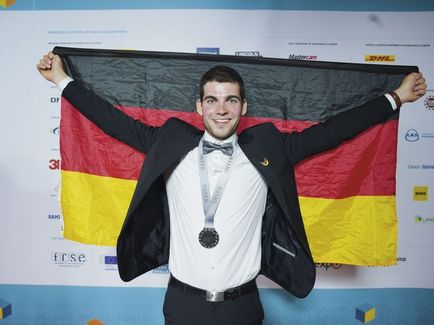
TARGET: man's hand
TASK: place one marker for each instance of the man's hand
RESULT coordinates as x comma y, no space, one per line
51,68
412,87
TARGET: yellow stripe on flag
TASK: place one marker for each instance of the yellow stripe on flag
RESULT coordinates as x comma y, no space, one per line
94,207
360,230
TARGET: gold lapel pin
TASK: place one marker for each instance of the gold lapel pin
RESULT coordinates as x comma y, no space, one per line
265,162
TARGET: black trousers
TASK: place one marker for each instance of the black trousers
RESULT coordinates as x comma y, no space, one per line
183,309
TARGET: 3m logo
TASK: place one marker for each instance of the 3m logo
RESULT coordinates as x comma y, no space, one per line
6,3
420,193
379,58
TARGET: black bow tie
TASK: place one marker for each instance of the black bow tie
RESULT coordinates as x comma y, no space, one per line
226,148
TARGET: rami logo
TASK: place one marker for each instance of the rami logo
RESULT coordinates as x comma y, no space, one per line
412,135
379,58
429,103
7,3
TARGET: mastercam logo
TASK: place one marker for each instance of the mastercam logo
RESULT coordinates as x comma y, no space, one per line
420,193
7,3
379,58
303,57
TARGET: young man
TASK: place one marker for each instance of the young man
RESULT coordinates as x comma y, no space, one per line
229,200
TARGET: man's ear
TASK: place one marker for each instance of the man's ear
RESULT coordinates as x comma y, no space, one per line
199,108
244,108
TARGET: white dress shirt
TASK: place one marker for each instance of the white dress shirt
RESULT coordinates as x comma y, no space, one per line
237,257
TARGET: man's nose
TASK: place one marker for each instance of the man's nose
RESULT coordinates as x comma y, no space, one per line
221,108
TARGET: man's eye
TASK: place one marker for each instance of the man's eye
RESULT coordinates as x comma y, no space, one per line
210,101
233,101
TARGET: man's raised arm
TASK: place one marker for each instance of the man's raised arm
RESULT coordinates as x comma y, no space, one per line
112,121
346,125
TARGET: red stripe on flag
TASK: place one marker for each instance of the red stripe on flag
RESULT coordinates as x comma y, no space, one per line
85,148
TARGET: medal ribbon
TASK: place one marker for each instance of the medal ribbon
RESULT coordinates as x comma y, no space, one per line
210,204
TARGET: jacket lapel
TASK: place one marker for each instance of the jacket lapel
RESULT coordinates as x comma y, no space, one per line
261,157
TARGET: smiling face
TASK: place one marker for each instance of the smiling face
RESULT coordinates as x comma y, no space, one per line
221,108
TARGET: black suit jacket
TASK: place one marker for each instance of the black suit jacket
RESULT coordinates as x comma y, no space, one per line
143,243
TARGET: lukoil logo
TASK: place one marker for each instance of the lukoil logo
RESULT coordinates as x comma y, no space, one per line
411,135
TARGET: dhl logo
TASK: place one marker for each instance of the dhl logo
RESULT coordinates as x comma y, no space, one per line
379,58
7,3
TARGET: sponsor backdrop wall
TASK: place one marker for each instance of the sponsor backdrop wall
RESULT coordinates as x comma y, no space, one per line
45,279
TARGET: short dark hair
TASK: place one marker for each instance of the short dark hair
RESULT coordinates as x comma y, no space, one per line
222,73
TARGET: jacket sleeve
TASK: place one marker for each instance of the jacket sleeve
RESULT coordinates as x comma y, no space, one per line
109,119
331,133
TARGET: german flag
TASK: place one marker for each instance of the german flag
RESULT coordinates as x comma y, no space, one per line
347,194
